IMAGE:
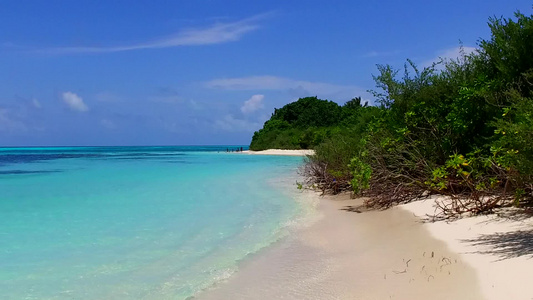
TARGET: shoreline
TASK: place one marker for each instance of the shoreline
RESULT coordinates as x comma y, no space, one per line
348,252
345,254
283,152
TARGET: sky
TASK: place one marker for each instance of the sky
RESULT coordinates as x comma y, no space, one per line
205,72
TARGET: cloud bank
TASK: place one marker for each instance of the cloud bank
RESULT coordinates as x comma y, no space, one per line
280,83
74,102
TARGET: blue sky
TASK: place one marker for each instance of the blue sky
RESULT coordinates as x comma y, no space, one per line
205,72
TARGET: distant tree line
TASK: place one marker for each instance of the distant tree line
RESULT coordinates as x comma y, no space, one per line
461,127
306,123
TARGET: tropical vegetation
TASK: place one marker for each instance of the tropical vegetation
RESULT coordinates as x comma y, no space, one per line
461,127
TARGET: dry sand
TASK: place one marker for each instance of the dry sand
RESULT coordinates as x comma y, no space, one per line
281,152
499,247
346,254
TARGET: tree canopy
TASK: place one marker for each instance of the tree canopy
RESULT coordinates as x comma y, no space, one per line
462,127
304,123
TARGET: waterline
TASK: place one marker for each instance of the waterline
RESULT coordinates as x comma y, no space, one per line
134,223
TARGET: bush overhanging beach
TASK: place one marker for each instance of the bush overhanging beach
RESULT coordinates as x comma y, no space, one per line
461,127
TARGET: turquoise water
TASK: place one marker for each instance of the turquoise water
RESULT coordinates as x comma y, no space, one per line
135,222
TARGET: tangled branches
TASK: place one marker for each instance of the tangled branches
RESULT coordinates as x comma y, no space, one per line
319,176
398,172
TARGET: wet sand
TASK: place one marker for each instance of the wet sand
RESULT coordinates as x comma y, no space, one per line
349,254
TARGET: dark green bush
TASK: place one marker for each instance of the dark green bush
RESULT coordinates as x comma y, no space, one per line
462,127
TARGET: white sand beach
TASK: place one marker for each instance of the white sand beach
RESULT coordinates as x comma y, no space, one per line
498,247
281,152
349,253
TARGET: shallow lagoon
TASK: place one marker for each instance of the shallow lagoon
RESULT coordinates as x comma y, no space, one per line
135,222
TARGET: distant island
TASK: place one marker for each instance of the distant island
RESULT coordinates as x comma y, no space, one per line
461,127
306,123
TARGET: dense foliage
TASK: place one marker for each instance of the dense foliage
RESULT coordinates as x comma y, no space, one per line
463,130
461,127
303,124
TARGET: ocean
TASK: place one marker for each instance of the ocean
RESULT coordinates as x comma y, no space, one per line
136,222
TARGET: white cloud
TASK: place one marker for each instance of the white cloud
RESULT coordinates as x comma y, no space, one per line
8,124
74,102
449,54
252,104
108,124
300,87
214,34
36,103
457,52
195,105
230,123
253,83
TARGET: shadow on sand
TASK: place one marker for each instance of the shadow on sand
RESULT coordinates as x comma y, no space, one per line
505,245
353,208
